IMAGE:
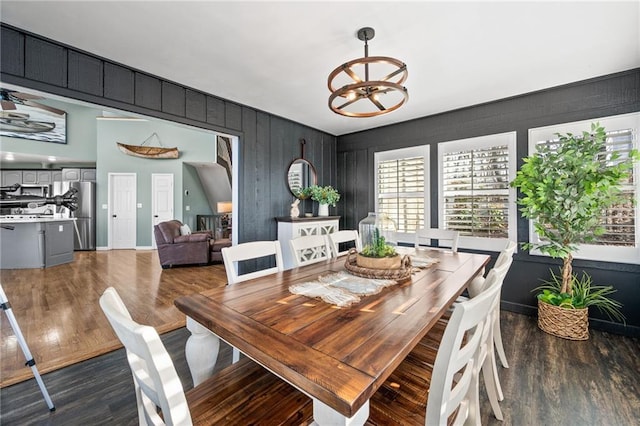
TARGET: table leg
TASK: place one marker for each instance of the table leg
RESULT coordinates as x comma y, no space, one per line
201,351
325,415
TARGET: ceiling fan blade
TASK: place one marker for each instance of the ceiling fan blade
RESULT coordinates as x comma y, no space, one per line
7,105
44,107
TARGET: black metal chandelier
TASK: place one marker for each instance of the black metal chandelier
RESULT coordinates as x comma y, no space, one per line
353,96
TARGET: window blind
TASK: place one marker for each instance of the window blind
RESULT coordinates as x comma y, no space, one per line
401,191
475,190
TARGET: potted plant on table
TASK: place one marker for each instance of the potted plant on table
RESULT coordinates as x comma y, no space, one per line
325,195
378,254
565,189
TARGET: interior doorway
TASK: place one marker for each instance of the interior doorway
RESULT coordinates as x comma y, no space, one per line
161,200
122,210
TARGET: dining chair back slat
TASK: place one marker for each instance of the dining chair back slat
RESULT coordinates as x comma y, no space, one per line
231,257
446,238
310,249
342,237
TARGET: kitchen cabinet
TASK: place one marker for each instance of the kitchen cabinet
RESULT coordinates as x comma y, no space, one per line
78,175
290,228
44,177
71,175
87,175
29,177
9,177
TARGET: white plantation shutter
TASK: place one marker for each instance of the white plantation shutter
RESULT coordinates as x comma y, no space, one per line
476,191
401,179
401,192
475,196
621,240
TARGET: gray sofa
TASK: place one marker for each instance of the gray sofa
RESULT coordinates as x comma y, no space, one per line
196,248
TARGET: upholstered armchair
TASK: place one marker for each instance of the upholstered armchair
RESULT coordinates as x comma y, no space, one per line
177,249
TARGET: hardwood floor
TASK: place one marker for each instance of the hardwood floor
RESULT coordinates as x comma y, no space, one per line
57,308
551,381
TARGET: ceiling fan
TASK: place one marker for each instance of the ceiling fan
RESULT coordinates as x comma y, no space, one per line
9,99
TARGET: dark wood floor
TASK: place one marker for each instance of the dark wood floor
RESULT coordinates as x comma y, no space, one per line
551,382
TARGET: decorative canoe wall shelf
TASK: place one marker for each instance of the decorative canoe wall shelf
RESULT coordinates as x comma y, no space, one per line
148,151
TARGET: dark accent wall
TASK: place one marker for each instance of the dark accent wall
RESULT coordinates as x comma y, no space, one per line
267,142
600,97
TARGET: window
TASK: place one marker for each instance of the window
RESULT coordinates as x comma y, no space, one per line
401,179
620,242
475,196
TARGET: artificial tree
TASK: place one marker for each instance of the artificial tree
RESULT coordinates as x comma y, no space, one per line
566,187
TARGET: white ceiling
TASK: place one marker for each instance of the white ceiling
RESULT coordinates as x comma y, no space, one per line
276,56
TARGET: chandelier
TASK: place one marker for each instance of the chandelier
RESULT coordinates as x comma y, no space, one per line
354,96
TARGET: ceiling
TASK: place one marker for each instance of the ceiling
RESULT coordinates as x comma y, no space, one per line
276,56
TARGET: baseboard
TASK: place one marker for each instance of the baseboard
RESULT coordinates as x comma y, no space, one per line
144,248
103,248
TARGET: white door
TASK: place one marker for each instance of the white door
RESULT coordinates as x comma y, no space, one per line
122,210
161,200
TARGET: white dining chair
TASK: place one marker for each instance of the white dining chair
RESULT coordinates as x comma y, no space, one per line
232,256
243,389
344,236
310,249
438,381
489,364
446,238
477,285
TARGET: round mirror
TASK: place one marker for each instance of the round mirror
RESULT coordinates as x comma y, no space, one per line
301,174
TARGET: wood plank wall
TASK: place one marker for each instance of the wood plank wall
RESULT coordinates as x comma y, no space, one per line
267,143
599,97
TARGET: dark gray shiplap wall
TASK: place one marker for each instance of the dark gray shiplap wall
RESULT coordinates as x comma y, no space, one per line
267,143
599,97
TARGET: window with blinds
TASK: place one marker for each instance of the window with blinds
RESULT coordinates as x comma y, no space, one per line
619,221
401,182
621,240
401,192
475,197
475,187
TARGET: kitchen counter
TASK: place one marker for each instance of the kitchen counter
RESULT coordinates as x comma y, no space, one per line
32,219
35,242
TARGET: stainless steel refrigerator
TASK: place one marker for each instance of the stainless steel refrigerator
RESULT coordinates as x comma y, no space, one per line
85,223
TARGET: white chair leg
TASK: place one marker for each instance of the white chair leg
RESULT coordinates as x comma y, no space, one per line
235,357
488,373
497,339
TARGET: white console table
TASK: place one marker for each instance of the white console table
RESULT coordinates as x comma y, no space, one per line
294,227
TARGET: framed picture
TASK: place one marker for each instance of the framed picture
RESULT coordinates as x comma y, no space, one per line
36,122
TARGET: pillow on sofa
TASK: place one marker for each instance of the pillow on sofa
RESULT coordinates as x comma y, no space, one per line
185,230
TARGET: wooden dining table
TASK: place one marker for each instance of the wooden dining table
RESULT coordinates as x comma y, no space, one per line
337,356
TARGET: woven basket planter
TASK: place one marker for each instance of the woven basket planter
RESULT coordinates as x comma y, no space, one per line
572,324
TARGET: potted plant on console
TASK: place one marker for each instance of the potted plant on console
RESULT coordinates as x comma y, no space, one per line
565,190
325,195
